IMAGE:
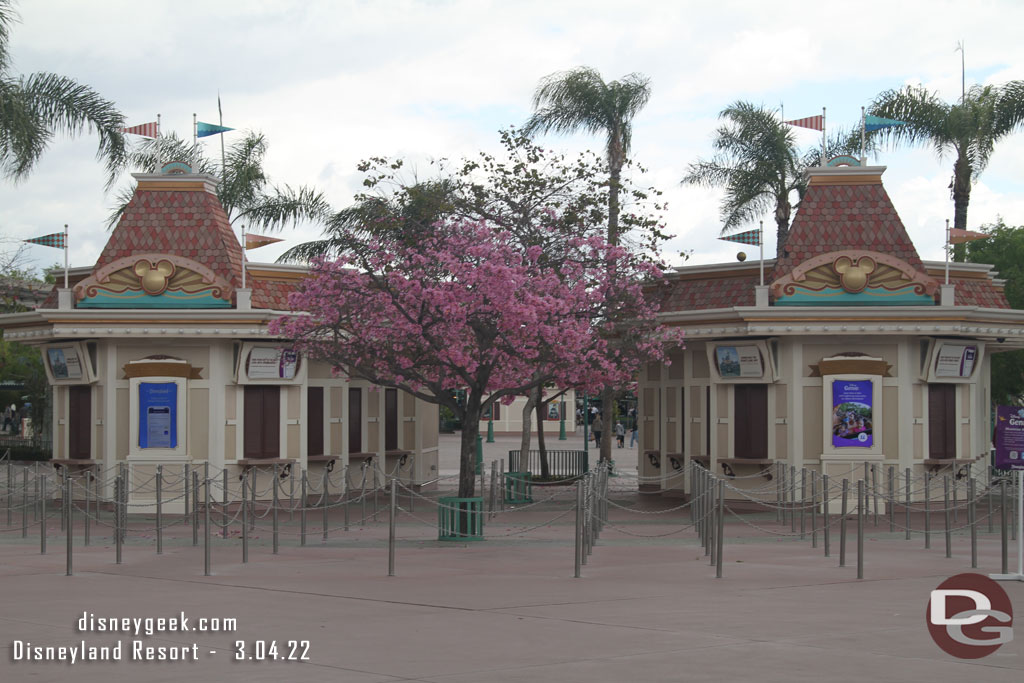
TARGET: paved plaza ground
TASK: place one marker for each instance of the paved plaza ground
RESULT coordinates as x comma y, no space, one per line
647,607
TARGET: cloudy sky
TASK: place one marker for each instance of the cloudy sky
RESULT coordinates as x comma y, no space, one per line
333,82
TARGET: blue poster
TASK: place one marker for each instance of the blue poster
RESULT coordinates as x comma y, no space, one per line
851,414
1009,438
158,415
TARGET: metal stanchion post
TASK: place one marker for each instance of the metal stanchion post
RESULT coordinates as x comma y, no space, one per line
721,529
68,483
276,529
972,519
578,555
927,511
206,525
159,510
245,517
780,477
945,516
303,494
956,501
988,502
792,499
862,503
195,507
842,525
713,526
118,494
24,502
392,514
1002,526
323,503
224,505
906,504
825,514
584,550
347,497
10,490
254,476
891,502
63,498
89,478
186,479
803,503
291,494
814,509
874,491
42,516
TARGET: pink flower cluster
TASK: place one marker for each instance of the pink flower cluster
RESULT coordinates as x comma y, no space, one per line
469,307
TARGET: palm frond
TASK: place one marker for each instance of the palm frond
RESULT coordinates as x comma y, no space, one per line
65,106
285,206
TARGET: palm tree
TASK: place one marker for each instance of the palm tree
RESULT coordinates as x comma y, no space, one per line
570,101
36,107
245,191
968,129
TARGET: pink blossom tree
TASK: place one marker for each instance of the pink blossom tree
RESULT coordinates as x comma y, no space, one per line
468,307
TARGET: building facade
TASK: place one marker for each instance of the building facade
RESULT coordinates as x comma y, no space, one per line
851,350
160,354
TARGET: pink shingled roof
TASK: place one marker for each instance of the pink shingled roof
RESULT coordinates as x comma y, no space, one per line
974,292
838,216
712,292
191,224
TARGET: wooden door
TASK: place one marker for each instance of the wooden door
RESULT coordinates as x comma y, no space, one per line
355,420
262,432
315,421
80,422
942,421
391,419
750,420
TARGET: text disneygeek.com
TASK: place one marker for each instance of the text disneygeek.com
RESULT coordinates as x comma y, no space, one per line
139,649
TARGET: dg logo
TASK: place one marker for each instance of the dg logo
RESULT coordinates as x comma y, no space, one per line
969,616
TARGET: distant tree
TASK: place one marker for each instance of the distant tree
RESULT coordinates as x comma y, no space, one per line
968,130
34,108
580,100
1005,250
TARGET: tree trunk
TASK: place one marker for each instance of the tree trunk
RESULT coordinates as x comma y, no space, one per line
961,198
467,459
782,212
607,408
545,468
524,443
613,204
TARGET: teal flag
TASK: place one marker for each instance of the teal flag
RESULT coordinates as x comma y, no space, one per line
205,129
877,123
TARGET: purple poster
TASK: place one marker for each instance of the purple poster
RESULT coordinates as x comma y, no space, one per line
851,413
1009,438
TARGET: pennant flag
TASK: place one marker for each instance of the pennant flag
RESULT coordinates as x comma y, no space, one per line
958,236
877,123
752,237
815,122
146,130
256,241
55,240
205,129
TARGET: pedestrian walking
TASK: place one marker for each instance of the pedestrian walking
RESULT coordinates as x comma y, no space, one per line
597,427
620,434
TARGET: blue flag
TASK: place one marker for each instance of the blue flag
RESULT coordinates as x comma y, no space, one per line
205,129
878,123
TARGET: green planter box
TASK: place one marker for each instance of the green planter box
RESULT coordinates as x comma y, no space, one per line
518,487
460,519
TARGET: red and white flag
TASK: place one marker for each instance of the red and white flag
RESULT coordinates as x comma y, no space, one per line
958,236
815,122
146,130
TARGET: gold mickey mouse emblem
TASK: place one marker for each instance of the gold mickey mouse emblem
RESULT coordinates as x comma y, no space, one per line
854,276
154,279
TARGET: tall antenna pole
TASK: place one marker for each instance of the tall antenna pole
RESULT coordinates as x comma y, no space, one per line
947,251
65,256
760,238
963,71
823,160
